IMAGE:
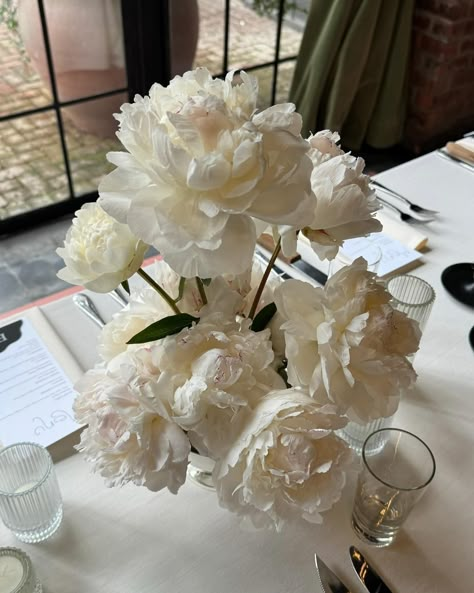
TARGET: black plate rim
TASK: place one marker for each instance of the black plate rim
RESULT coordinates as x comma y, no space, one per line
445,275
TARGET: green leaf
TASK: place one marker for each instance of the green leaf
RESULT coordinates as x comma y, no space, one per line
263,317
206,281
164,327
126,286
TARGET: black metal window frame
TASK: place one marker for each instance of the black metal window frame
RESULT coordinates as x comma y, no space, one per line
147,45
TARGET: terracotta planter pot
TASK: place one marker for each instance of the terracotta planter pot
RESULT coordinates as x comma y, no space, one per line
87,47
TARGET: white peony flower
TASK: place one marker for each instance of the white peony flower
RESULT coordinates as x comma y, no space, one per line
344,204
212,371
201,165
286,463
247,284
99,252
125,439
346,343
220,295
146,306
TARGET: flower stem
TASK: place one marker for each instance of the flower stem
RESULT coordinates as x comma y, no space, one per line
264,279
202,292
159,290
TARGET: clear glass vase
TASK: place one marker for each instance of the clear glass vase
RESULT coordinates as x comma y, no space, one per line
200,470
355,434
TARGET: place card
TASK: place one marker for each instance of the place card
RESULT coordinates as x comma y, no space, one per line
37,373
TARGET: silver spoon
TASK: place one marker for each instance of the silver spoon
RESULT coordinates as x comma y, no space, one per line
86,305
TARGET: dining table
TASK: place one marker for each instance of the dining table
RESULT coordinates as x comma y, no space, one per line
132,540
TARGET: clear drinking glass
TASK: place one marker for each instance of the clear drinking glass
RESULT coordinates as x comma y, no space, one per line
355,434
200,470
364,248
413,296
30,500
393,478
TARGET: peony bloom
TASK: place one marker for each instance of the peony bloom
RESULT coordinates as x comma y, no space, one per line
345,203
125,439
286,463
200,165
346,343
146,306
212,371
246,286
99,252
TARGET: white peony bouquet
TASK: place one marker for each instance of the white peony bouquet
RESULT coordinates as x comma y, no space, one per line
214,352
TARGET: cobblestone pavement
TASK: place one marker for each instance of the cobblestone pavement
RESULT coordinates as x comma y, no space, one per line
32,173
251,42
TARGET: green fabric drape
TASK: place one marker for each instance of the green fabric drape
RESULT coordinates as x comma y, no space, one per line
351,72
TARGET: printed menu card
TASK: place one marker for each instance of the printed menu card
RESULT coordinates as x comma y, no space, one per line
37,373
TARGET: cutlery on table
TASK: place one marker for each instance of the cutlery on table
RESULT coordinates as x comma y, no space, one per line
408,218
366,573
442,152
85,304
330,583
286,271
411,205
119,296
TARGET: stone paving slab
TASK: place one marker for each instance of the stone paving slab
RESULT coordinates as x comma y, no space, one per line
28,264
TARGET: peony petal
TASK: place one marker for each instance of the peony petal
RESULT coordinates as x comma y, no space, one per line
232,255
209,172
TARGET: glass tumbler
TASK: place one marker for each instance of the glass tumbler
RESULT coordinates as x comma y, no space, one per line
413,296
392,480
355,434
30,500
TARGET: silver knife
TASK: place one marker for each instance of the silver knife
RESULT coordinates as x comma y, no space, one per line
366,573
445,154
294,270
330,583
119,297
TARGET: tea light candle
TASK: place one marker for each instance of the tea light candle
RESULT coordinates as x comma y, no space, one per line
16,572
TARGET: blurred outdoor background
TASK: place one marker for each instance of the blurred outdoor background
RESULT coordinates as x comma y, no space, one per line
395,78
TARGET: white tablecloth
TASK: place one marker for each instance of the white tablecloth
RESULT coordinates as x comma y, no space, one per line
133,540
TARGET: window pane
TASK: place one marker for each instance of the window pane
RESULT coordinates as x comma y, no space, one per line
21,88
32,173
90,134
292,31
252,37
285,76
265,81
210,50
87,46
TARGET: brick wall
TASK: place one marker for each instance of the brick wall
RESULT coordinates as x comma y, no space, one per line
441,103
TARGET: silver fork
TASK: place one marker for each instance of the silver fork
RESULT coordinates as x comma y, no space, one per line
408,218
411,205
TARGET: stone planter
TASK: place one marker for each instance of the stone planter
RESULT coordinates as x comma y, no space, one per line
87,47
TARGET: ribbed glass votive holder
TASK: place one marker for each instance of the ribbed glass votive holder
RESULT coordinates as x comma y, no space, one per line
30,500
